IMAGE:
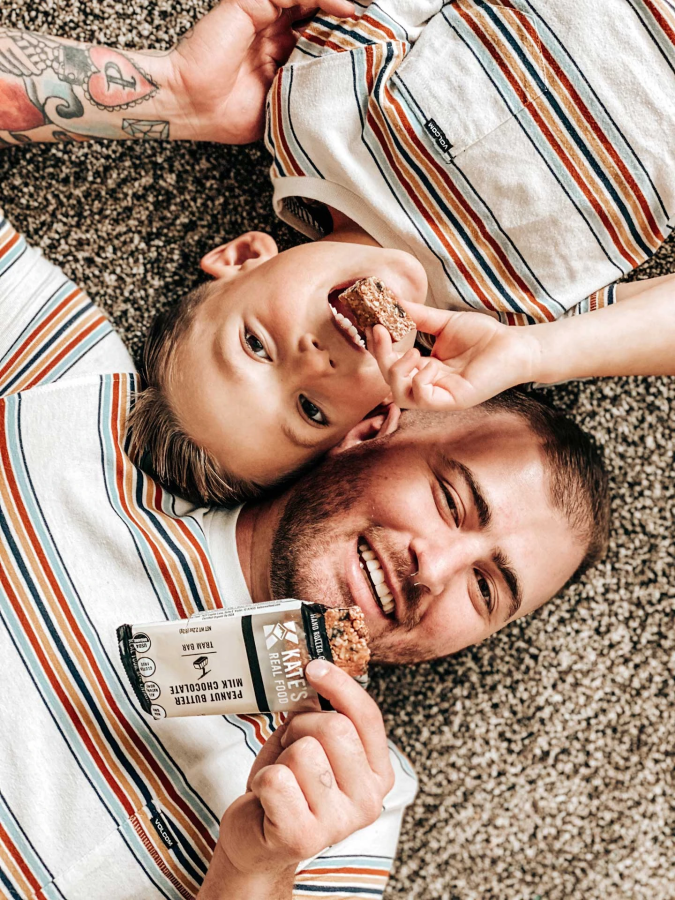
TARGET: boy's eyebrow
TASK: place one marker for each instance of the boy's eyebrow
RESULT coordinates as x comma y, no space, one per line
297,439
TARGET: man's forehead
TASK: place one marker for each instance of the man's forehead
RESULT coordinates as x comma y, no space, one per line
471,428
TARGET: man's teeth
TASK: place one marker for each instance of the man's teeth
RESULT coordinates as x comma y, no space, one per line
370,562
347,326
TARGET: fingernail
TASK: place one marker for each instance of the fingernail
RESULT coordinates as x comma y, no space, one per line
317,668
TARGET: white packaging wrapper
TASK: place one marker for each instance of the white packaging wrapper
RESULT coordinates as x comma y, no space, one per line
246,660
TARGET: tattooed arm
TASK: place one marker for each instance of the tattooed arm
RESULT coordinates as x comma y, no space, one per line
58,90
212,86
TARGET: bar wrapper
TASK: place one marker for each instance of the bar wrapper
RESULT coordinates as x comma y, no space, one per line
244,660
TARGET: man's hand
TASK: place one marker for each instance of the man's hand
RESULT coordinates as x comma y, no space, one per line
320,778
211,87
225,65
474,358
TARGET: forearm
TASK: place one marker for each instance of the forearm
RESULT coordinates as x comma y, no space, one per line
635,336
224,882
54,89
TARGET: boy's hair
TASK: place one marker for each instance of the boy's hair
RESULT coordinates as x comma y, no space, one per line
176,460
578,482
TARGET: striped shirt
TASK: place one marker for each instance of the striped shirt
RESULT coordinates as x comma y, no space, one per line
522,150
97,801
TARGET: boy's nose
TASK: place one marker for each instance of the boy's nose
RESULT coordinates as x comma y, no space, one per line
313,359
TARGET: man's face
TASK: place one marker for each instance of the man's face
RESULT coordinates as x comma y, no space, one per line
455,515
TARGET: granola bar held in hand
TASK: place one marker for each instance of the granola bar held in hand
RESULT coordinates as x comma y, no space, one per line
373,303
243,660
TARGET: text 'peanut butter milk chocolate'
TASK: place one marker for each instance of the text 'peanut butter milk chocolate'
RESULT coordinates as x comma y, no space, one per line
246,660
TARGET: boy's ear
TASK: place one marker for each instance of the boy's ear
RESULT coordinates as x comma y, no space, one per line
367,429
250,249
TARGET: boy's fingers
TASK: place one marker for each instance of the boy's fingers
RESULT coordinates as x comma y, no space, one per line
428,318
349,698
380,345
400,375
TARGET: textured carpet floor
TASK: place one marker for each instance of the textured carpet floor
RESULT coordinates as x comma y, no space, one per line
545,756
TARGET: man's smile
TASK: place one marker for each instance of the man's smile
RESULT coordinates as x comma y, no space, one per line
375,575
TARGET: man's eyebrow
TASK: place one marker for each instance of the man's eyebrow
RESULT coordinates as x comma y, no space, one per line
510,577
480,502
484,511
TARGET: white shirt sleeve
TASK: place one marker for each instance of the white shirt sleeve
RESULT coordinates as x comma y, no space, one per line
49,328
360,865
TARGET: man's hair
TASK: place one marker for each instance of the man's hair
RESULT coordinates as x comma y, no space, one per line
176,460
578,483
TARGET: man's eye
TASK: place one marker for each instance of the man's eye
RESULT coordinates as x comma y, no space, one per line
450,500
256,346
485,590
312,411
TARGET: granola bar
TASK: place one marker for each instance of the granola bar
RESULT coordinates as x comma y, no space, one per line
373,303
348,637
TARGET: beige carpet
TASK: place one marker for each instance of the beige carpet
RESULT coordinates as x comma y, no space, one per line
545,756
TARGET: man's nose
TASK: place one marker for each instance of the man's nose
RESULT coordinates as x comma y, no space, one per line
313,359
440,562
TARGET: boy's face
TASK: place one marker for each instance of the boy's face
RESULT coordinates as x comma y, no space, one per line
267,378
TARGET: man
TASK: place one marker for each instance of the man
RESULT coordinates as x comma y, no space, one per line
472,521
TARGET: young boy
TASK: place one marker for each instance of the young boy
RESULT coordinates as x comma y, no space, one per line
483,156
522,152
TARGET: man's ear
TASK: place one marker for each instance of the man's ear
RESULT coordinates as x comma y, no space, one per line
250,249
368,429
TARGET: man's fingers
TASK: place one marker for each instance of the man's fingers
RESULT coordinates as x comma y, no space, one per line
349,698
307,759
288,819
271,750
339,8
342,746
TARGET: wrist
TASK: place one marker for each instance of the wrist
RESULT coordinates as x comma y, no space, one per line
171,104
227,881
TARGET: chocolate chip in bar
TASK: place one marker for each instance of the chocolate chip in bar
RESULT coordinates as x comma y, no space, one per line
348,637
373,303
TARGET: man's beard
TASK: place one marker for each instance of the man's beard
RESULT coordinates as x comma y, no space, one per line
313,523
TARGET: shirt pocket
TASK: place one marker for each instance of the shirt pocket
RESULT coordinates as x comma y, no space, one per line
146,856
476,65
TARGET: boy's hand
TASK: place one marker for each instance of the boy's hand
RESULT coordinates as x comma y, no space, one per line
474,358
224,66
321,777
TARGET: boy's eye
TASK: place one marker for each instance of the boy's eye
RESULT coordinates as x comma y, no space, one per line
256,346
312,411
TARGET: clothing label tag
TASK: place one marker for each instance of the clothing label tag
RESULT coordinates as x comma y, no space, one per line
438,135
160,826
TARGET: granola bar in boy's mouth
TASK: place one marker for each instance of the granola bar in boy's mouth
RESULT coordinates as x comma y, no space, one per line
348,637
373,303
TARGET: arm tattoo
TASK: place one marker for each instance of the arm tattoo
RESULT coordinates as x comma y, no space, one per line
64,91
